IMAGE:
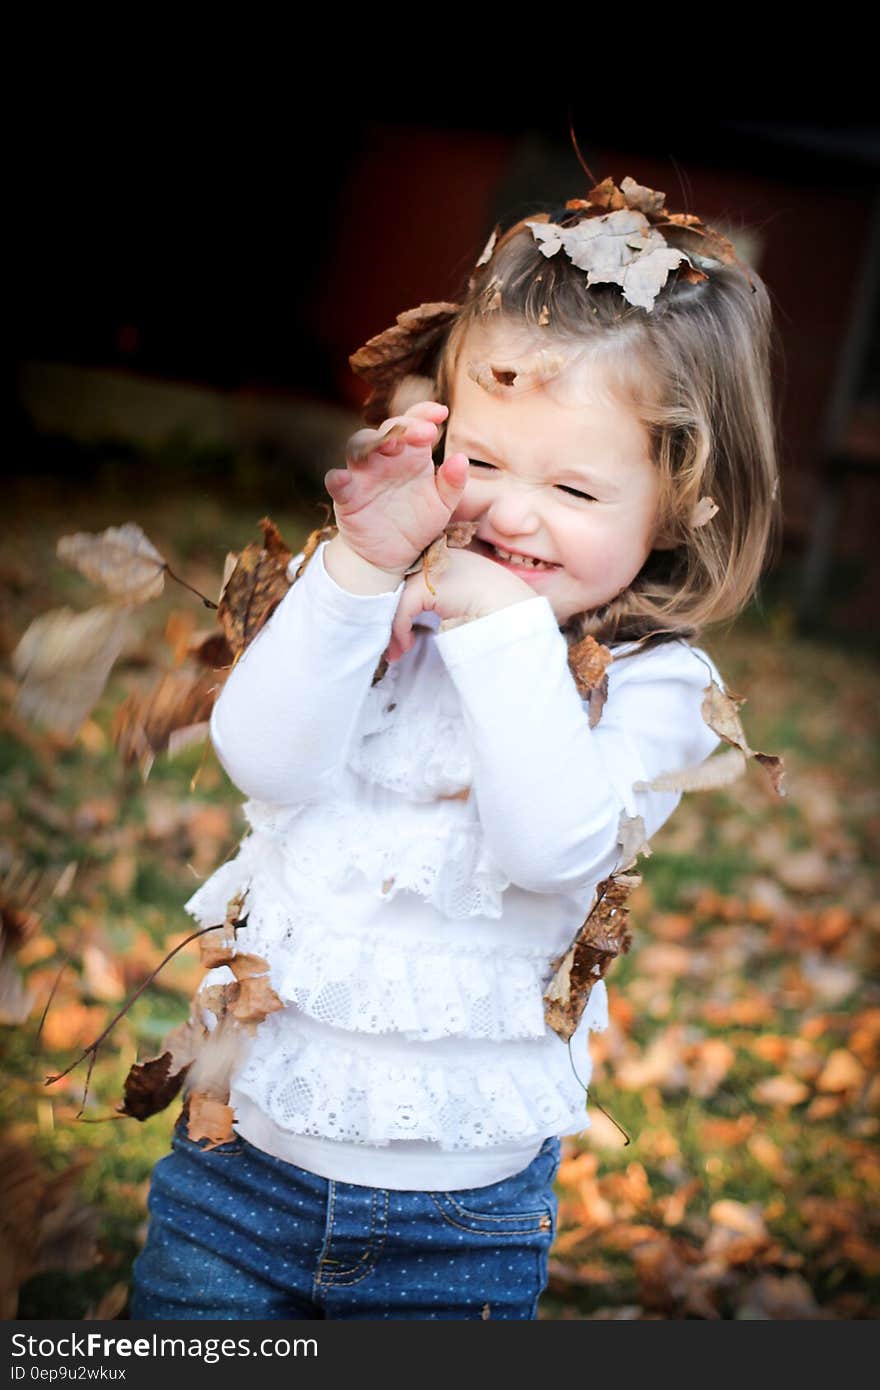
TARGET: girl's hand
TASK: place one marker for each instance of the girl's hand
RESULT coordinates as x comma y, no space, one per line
389,501
467,586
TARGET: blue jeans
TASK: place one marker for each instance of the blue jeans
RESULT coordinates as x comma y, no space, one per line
237,1233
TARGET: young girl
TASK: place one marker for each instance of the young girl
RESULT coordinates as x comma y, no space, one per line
424,844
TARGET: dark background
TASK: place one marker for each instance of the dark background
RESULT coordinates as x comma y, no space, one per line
253,256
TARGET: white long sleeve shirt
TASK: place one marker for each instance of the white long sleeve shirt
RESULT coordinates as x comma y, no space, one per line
420,850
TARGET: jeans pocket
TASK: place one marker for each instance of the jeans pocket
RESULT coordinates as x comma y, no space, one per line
522,1204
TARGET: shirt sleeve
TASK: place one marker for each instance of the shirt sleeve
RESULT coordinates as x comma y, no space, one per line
549,789
283,722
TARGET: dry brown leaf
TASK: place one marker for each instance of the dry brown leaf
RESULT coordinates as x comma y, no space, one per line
524,374
186,737
717,771
63,661
704,511
404,349
121,558
434,559
212,649
588,662
255,1000
719,711
179,628
620,248
210,1119
254,588
603,935
143,724
632,839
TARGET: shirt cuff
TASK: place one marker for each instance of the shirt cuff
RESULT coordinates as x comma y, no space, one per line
339,603
506,627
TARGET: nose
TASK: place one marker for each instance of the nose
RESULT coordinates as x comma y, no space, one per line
514,507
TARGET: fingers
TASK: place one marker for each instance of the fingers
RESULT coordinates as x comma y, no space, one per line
418,427
411,603
336,481
451,479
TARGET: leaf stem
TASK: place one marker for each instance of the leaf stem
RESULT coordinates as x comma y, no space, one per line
208,602
91,1050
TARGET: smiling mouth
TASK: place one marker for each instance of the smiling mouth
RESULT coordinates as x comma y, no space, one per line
506,557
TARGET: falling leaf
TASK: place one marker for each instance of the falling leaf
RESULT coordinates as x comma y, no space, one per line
603,935
144,724
632,839
63,661
718,771
121,558
212,649
719,711
151,1085
254,589
178,634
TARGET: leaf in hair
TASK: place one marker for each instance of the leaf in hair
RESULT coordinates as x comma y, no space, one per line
704,511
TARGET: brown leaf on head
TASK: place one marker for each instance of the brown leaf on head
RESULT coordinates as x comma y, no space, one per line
121,558
402,350
603,936
254,589
501,378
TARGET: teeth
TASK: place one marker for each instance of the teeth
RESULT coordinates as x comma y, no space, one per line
519,559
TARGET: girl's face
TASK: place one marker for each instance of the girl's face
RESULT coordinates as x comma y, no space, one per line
573,486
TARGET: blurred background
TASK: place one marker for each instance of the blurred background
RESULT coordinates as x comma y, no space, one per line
185,298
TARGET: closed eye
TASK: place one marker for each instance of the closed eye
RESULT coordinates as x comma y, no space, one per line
585,496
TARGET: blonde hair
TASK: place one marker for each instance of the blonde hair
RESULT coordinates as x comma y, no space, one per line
697,369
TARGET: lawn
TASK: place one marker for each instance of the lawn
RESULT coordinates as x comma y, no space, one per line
741,1054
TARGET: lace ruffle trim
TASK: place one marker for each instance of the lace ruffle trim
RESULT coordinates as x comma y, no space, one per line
314,1086
392,849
